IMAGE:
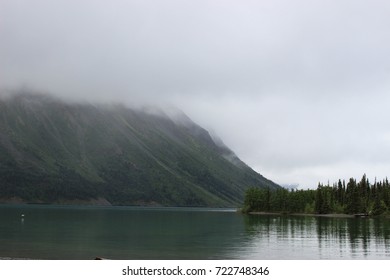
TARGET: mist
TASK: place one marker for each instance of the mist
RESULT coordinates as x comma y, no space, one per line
299,90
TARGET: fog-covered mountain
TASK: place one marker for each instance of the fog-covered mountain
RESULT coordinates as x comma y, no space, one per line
59,152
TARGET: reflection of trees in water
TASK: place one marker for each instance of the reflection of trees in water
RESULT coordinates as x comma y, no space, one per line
360,234
355,237
381,231
282,225
332,232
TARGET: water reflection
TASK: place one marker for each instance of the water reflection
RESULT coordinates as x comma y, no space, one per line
300,237
133,233
118,233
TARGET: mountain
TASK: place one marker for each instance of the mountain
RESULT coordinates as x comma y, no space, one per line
53,151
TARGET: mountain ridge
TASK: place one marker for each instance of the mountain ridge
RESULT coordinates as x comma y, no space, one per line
53,151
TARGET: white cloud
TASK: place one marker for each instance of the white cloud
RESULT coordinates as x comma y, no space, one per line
294,87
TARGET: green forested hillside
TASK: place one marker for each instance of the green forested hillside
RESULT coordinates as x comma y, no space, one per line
57,152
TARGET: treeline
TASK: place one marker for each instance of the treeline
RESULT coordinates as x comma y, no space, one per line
32,186
342,198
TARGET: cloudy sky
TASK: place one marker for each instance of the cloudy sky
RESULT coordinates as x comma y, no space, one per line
299,89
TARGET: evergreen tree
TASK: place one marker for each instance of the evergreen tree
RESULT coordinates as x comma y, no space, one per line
355,198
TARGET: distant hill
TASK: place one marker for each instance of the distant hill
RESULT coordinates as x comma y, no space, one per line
58,152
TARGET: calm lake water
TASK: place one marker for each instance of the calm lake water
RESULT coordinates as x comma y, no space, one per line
67,232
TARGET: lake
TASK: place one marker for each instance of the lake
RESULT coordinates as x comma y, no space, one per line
80,232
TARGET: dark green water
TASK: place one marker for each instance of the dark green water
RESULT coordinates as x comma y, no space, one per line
55,232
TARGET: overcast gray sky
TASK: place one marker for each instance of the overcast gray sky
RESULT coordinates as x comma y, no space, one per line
300,90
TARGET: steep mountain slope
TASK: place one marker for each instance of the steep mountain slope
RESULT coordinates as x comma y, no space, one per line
57,152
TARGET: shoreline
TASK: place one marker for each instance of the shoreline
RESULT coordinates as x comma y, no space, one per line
304,214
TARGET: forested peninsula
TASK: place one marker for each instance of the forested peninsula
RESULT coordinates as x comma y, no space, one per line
354,198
